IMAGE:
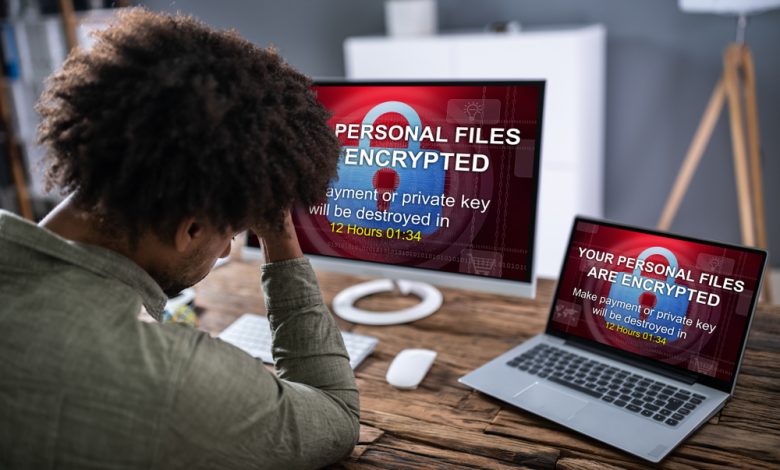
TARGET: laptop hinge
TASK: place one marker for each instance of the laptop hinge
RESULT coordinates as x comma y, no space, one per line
689,378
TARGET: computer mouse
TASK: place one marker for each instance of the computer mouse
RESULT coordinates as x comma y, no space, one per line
409,368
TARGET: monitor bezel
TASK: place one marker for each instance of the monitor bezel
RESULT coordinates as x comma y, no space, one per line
515,288
442,279
722,385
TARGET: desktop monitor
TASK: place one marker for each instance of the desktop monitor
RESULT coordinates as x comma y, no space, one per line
437,183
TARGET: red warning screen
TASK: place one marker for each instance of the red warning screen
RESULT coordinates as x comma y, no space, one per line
683,302
435,176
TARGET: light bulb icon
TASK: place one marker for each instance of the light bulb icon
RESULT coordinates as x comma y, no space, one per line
716,263
471,109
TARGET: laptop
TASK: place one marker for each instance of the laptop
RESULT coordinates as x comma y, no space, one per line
644,340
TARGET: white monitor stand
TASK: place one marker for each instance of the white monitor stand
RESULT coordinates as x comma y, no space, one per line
344,302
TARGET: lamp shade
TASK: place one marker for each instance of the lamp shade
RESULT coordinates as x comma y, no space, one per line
728,7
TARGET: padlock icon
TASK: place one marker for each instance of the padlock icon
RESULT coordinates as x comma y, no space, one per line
387,180
675,307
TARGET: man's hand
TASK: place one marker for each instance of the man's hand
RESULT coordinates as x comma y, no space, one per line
280,245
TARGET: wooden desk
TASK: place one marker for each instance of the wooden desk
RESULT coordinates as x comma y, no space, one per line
446,425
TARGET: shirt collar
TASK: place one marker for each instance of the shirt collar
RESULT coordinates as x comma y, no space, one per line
102,261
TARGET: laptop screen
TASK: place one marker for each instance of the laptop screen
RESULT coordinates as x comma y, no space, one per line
683,302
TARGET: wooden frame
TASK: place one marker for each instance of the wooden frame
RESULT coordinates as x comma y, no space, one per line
14,156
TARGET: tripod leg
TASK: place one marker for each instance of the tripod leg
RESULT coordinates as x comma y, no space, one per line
692,158
731,64
754,149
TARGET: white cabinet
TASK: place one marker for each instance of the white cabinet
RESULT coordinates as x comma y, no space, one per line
571,60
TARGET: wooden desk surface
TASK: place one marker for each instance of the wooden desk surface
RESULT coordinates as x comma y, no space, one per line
443,424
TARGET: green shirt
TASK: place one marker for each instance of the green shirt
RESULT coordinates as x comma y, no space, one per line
85,384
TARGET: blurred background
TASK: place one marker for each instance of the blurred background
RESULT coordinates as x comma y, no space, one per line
649,82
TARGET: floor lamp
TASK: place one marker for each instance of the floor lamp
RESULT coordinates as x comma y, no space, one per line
737,81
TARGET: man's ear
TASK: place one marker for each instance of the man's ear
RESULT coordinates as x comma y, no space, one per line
187,232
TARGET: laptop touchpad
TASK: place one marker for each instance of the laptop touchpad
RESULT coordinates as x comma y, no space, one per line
549,401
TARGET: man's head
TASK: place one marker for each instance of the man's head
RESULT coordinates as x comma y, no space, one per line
168,130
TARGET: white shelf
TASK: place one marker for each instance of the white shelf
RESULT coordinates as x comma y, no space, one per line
572,60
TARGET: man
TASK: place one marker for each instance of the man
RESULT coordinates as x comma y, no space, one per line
169,138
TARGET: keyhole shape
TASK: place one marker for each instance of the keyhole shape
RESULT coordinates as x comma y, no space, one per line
385,181
647,300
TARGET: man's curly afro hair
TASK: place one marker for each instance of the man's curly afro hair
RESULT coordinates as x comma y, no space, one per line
166,118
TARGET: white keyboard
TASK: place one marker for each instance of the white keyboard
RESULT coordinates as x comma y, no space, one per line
252,333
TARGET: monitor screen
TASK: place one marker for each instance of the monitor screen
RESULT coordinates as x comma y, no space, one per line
683,302
433,177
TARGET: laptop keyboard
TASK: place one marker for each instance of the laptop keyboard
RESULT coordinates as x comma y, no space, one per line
655,400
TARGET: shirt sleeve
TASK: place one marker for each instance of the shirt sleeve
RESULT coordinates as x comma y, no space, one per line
229,411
